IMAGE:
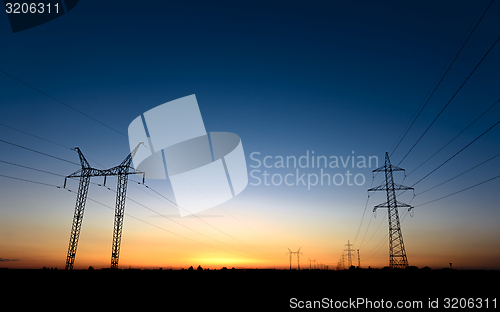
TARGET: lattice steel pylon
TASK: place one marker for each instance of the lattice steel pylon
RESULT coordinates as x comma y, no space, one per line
349,254
397,252
85,173
298,253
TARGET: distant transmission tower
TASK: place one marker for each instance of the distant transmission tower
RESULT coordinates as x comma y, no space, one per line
397,253
359,261
298,253
85,173
349,254
310,264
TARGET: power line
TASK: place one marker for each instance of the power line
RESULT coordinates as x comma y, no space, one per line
200,218
450,158
366,231
175,205
438,114
371,217
178,223
107,206
46,140
35,136
151,224
42,153
69,106
468,126
440,80
31,181
432,201
385,239
470,143
61,102
362,217
86,115
457,192
61,159
31,168
432,93
449,101
381,244
376,230
364,212
48,172
459,175
40,170
163,229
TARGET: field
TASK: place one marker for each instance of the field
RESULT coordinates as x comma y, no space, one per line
235,290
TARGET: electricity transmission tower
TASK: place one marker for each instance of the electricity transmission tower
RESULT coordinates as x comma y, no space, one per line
339,265
359,261
85,173
298,258
310,264
349,254
397,253
298,253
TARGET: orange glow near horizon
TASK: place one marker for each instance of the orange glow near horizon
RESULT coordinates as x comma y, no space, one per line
98,256
130,258
248,238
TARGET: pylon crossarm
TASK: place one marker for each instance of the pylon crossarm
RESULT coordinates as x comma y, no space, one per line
397,187
377,188
403,205
91,172
387,168
397,205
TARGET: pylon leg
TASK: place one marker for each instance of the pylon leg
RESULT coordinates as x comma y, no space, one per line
76,227
119,213
397,253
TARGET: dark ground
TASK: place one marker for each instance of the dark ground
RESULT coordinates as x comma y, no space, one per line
240,290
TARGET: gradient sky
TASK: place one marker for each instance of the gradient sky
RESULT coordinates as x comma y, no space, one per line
333,77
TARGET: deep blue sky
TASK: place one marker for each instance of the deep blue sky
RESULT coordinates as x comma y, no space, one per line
328,76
